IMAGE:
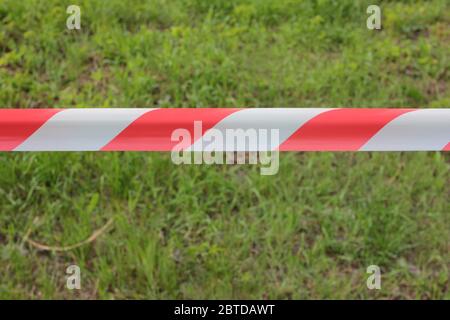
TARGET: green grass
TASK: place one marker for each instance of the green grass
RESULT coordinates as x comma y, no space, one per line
225,231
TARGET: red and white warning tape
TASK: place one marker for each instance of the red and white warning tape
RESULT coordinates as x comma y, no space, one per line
312,129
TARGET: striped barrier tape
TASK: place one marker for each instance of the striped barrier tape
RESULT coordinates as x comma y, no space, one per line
307,129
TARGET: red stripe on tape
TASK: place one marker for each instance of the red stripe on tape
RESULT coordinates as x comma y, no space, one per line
447,147
153,130
16,125
340,129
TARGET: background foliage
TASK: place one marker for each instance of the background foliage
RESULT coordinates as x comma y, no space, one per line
225,231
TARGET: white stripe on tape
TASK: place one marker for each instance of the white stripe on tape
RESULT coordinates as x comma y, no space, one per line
250,121
79,129
418,130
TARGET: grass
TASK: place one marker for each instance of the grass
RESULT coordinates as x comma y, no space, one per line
225,231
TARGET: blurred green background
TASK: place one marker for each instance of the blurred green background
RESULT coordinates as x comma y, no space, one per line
225,231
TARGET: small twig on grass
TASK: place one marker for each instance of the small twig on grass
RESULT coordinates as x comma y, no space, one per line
92,238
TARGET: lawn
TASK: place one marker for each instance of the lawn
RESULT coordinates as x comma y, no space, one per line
225,231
